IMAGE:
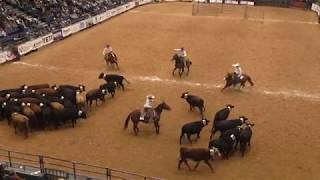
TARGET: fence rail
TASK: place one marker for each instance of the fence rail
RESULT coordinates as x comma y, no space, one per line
50,167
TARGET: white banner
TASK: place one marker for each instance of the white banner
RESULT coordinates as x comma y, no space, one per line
244,2
66,31
234,2
48,39
25,47
141,2
75,28
89,22
250,3
37,43
131,5
6,56
3,56
95,19
57,35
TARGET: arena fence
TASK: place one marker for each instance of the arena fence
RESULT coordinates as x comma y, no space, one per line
53,168
226,8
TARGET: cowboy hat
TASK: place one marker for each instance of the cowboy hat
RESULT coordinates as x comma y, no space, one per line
236,65
150,96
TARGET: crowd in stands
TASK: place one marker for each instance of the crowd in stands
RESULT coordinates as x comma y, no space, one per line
24,19
11,175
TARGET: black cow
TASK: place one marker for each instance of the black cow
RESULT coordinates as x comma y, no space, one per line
194,101
34,87
4,92
114,78
9,107
70,113
193,128
225,145
227,134
222,114
47,116
245,138
110,87
94,95
197,154
70,87
227,124
68,91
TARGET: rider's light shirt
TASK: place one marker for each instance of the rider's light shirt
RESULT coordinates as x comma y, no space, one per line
107,50
238,71
149,103
181,53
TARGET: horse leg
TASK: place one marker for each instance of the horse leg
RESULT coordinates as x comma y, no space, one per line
156,124
117,64
135,128
180,72
174,71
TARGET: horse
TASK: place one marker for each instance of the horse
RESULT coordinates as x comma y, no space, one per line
135,117
180,65
232,81
111,59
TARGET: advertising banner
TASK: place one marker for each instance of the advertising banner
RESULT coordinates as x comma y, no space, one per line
67,31
25,48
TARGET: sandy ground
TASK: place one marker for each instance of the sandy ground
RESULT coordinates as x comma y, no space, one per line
282,57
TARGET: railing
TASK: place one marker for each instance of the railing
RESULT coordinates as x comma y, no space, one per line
55,167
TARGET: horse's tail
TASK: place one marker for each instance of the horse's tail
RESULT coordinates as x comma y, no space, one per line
127,122
250,81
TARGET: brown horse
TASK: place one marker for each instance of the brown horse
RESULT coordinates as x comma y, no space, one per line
135,118
180,65
111,59
232,81
20,122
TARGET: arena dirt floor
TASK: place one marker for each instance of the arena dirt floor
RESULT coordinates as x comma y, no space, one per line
279,50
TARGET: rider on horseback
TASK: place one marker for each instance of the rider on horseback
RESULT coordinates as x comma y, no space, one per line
148,109
182,54
107,51
237,71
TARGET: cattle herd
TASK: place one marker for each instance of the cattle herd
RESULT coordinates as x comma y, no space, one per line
232,132
41,106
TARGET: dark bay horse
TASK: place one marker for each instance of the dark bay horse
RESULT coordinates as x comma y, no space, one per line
180,65
135,117
232,81
111,59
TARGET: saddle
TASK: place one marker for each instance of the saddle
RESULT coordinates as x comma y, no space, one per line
111,56
236,79
148,116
